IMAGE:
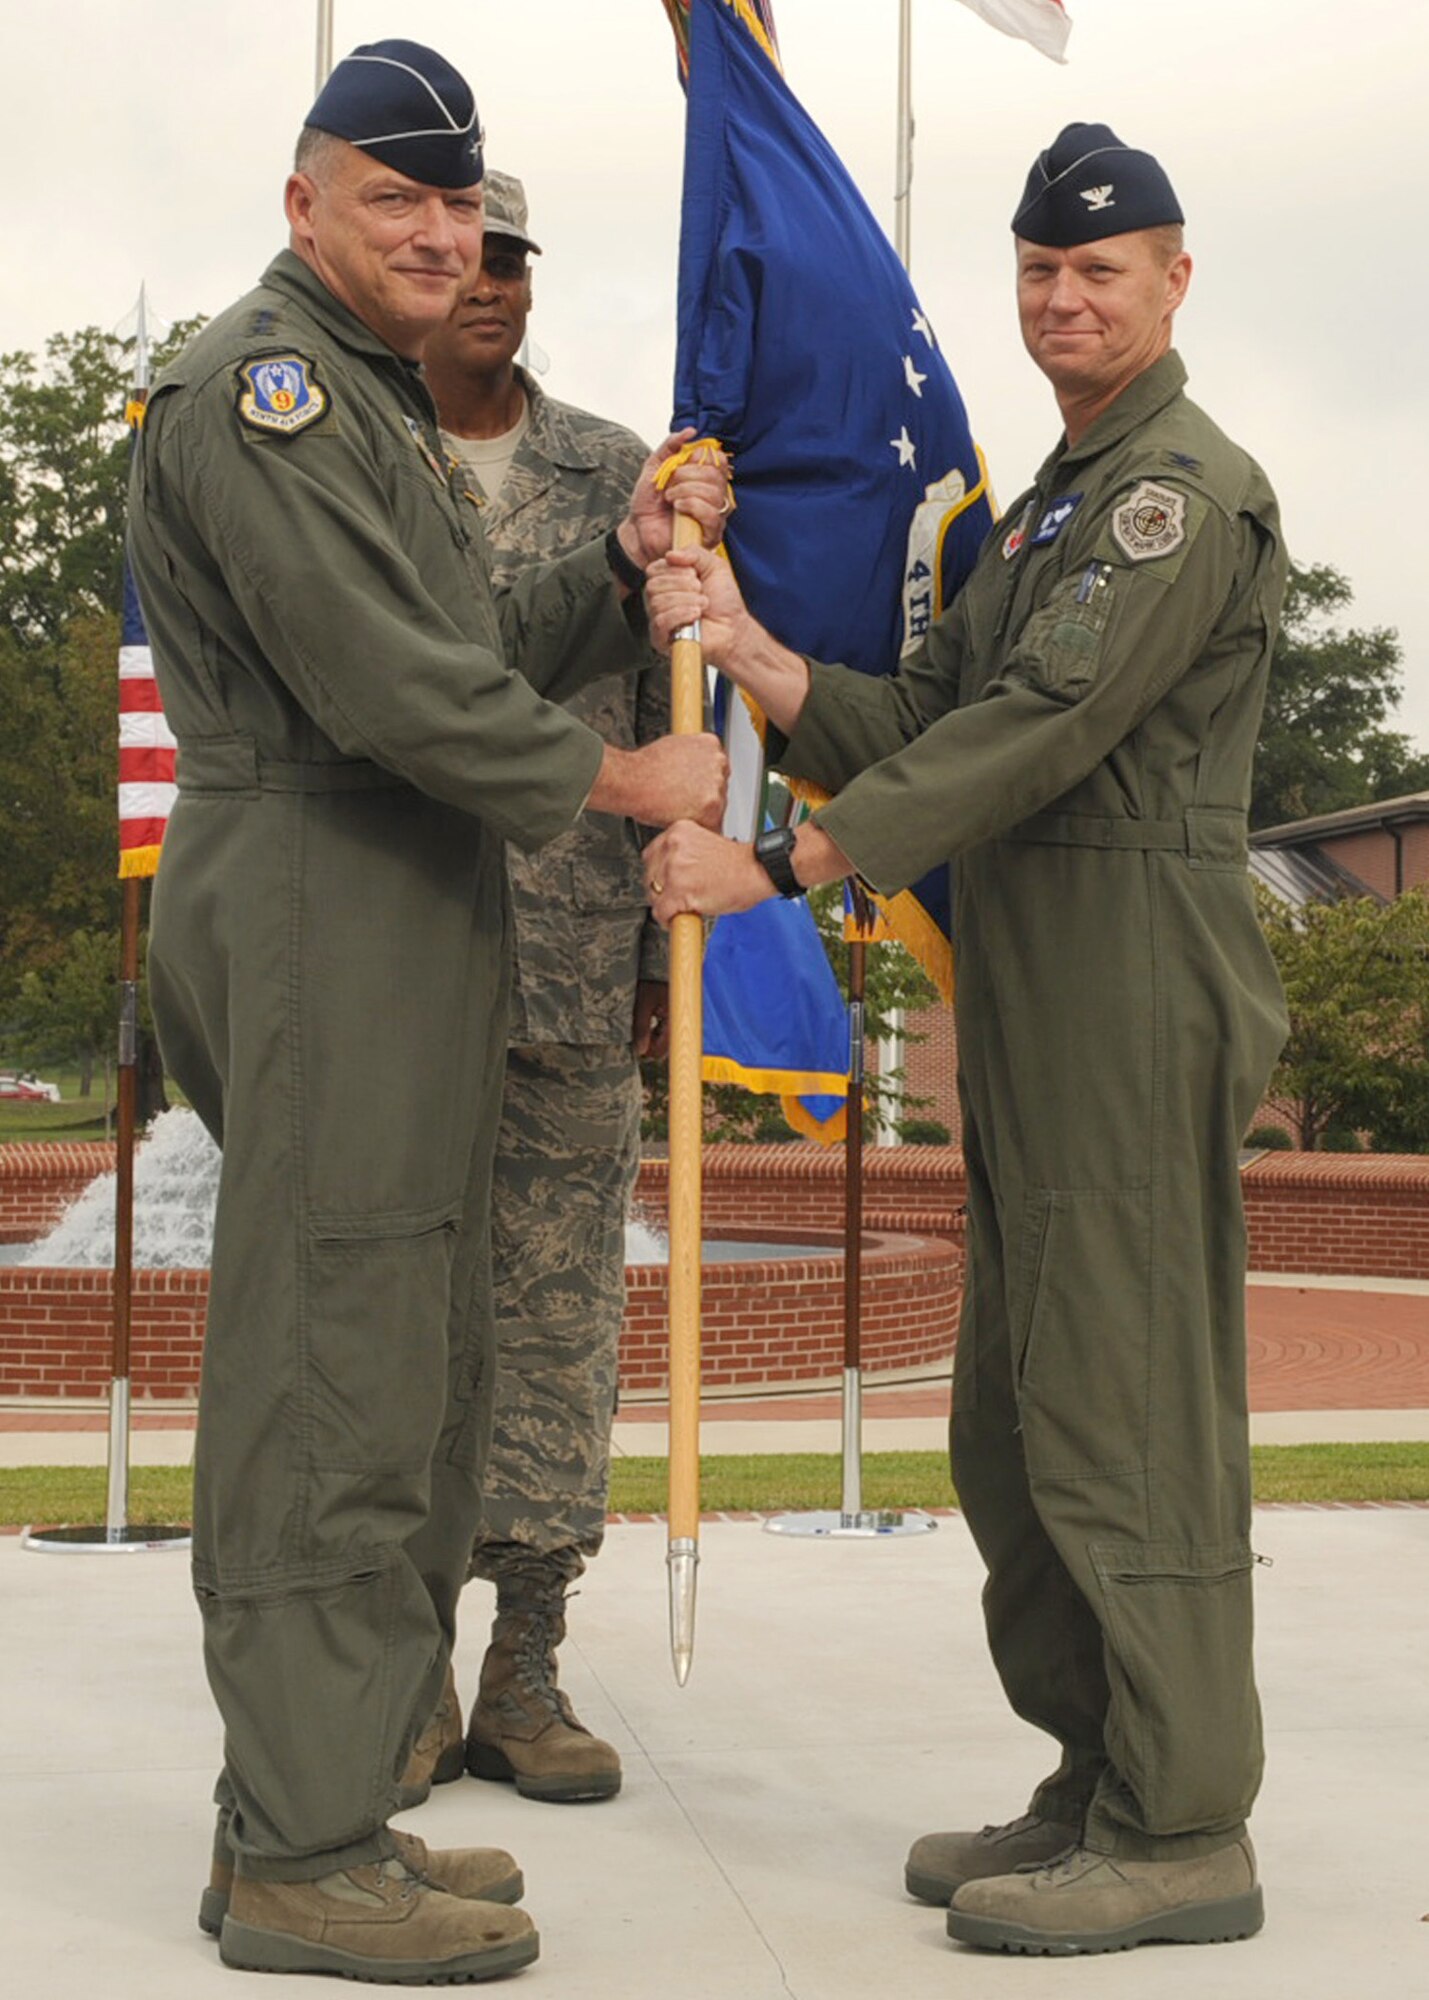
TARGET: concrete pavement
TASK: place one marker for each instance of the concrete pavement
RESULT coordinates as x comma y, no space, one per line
841,1702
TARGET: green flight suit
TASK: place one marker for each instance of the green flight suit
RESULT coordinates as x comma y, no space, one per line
329,971
1079,730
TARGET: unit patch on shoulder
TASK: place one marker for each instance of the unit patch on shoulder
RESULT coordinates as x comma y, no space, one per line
281,393
1151,521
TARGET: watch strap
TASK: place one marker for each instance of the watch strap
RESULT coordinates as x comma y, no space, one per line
774,851
622,567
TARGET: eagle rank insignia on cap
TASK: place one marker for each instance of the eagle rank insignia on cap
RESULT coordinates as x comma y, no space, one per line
1151,521
280,393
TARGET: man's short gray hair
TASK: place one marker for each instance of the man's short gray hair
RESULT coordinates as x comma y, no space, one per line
314,150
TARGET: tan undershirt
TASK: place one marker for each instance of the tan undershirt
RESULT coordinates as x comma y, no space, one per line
489,459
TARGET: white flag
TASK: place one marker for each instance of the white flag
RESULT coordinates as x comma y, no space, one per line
1044,23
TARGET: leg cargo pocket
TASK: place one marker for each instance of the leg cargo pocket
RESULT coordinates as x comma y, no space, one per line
378,1301
1081,1331
1183,1723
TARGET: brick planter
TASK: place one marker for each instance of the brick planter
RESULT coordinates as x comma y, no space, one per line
765,1321
39,1180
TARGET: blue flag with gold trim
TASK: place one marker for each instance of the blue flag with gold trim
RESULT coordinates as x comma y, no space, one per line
803,347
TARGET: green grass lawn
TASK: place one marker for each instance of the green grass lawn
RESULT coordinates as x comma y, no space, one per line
758,1483
74,1117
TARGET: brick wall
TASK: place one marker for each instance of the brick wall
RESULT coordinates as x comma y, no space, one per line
765,1321
1356,1213
55,1332
1370,854
918,1189
38,1181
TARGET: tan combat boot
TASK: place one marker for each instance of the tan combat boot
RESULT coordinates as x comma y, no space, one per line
477,1874
1099,1902
939,1863
523,1728
439,1753
380,1923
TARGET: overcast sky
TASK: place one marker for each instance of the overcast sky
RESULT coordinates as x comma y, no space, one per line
149,139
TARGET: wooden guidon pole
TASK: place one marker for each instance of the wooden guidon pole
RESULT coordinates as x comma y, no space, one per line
686,1140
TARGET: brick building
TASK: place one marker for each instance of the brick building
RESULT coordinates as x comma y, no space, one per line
1378,850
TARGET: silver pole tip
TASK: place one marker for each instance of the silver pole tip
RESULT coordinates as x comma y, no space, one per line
682,1560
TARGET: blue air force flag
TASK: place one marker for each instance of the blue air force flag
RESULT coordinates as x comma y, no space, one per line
804,348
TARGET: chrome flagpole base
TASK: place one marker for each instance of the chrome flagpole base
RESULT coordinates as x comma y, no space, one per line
117,1537
834,1526
130,1541
683,1560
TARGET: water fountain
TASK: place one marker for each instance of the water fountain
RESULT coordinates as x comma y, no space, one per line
772,1307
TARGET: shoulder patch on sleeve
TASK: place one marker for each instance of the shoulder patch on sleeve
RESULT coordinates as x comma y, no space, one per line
280,393
1149,522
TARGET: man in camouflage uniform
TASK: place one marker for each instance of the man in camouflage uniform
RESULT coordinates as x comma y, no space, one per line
588,999
1077,732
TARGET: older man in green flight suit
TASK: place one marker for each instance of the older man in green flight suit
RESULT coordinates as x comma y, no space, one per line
1077,733
329,970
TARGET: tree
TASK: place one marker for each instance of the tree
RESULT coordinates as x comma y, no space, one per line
67,1012
1325,743
1356,978
63,468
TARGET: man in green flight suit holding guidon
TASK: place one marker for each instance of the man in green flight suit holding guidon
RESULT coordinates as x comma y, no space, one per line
329,971
1077,734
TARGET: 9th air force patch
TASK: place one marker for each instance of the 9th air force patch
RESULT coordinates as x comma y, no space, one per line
1151,521
280,392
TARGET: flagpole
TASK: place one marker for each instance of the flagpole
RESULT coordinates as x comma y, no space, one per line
686,1141
117,1536
324,42
903,182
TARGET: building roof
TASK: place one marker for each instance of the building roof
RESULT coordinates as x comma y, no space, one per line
1414,806
1301,875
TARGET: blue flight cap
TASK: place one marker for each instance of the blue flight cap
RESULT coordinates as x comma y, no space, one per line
407,107
1088,185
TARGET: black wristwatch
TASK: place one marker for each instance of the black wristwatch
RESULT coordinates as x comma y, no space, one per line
622,567
774,851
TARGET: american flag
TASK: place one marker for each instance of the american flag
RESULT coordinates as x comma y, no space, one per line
146,743
1044,23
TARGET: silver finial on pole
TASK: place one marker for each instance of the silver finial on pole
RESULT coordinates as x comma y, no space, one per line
141,344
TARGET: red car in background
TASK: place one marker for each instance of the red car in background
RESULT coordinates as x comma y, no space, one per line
29,1089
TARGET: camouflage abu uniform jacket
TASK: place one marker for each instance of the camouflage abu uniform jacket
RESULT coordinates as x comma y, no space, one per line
583,934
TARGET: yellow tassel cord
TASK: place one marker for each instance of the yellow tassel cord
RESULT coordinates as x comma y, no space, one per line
756,28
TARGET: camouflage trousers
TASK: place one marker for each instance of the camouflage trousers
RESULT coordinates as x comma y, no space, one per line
566,1158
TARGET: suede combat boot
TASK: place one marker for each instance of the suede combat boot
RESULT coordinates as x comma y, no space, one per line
1089,1902
523,1728
476,1874
439,1753
939,1863
380,1922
